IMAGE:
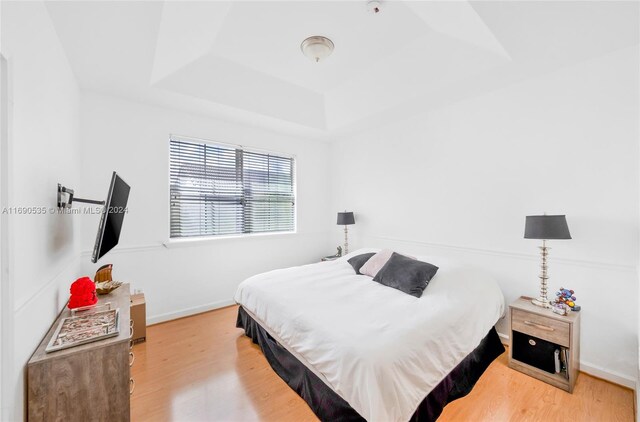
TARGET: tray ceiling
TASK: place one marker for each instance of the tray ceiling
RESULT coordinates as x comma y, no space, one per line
243,58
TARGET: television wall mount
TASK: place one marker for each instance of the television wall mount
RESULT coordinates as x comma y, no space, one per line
68,194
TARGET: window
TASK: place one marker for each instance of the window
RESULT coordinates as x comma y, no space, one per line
223,190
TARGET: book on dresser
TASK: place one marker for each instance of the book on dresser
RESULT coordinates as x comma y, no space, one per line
91,381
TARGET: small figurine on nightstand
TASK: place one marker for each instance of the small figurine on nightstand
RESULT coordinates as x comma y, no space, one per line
333,257
565,299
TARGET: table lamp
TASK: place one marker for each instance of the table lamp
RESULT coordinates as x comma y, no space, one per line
345,219
545,227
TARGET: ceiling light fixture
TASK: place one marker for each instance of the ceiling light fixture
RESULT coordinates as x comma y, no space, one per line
317,48
373,6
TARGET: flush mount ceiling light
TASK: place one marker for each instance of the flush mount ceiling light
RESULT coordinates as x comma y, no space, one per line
317,48
373,6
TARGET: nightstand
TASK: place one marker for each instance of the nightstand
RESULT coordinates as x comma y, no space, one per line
539,338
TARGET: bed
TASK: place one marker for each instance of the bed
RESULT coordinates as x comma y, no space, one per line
355,349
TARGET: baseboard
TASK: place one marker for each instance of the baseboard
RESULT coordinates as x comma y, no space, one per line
157,319
594,370
606,375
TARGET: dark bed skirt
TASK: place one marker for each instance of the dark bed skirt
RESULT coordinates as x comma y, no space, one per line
329,406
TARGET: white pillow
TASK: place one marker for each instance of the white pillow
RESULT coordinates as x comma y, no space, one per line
376,262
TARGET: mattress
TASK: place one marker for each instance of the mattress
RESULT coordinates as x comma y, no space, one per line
381,350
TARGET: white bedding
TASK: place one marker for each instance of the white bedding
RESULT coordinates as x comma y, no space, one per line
380,349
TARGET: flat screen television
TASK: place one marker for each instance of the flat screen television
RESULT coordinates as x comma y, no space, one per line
115,208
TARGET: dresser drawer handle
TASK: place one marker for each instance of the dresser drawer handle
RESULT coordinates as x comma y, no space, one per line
132,385
132,358
540,326
131,332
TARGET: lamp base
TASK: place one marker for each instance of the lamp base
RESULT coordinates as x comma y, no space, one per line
541,303
346,241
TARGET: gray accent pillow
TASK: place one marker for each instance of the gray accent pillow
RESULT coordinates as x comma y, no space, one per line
359,260
406,274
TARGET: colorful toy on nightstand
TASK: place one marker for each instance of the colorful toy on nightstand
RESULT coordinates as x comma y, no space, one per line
565,297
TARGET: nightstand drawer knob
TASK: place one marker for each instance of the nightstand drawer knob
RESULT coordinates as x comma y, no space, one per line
532,342
540,326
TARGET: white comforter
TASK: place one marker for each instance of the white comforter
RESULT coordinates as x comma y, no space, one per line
380,349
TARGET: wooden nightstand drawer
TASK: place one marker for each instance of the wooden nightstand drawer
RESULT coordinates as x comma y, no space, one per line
549,329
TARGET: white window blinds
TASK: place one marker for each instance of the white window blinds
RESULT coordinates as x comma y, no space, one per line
222,190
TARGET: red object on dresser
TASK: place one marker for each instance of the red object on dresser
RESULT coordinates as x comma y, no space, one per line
83,293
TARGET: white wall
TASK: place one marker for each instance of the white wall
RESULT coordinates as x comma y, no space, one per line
53,139
460,180
43,150
133,139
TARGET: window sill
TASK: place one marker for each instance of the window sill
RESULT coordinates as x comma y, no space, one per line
204,240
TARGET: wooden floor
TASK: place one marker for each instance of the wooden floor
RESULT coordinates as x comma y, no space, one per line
202,368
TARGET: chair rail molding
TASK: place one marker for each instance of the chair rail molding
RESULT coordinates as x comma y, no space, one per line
506,254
